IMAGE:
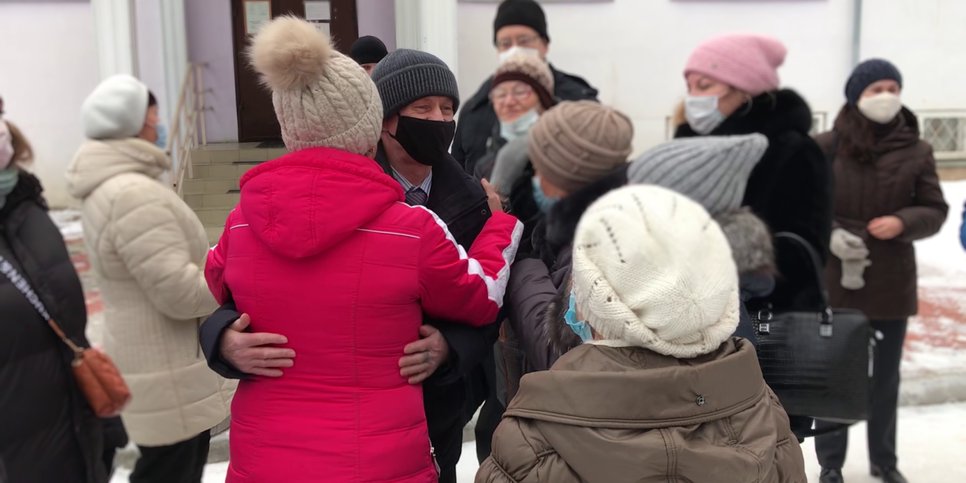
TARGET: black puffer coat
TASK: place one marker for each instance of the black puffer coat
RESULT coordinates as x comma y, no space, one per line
47,430
790,188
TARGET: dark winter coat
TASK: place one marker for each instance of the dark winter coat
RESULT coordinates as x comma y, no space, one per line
48,431
459,200
477,118
539,287
900,181
628,414
790,188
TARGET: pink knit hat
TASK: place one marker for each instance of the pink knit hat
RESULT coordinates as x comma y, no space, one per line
747,62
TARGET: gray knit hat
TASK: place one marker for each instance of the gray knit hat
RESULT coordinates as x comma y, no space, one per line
579,142
711,170
407,75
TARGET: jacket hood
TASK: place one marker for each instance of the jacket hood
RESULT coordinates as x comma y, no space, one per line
305,202
580,388
99,161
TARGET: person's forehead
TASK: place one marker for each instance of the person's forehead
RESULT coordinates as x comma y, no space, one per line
510,31
431,100
509,84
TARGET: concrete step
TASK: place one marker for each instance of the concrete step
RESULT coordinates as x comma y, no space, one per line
228,153
213,217
209,185
214,199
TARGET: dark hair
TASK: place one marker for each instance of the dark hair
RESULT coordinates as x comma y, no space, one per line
151,100
856,135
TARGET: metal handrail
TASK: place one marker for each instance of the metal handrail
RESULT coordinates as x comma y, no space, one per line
187,124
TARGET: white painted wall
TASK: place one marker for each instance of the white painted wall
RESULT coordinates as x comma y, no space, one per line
49,60
378,18
150,53
925,39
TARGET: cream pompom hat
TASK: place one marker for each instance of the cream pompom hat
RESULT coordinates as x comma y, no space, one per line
322,98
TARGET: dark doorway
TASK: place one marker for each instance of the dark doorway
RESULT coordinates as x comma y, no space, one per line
256,115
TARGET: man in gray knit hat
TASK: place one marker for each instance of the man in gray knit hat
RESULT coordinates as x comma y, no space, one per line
420,97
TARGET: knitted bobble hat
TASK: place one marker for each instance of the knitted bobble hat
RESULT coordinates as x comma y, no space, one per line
652,269
712,170
747,62
322,98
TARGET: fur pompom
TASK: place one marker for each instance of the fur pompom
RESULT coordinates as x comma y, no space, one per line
289,53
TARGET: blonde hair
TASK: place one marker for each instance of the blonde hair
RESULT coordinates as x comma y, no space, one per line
23,152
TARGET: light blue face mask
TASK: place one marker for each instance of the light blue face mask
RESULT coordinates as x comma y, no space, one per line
543,201
580,327
162,141
8,180
520,126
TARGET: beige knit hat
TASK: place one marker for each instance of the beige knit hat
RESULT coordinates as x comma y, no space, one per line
651,268
321,97
529,69
577,143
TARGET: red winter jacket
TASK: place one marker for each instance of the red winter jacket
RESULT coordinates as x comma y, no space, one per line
322,249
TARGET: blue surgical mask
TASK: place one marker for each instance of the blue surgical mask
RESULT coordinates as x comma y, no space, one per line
703,114
520,126
162,141
580,327
544,202
8,180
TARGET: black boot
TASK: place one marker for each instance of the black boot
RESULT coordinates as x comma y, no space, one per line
888,475
830,476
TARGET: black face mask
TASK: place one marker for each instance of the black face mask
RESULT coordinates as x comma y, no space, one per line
427,142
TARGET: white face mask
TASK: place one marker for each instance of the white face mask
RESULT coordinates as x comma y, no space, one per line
520,126
703,114
516,49
880,108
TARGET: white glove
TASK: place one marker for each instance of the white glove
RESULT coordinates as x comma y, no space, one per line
847,246
852,273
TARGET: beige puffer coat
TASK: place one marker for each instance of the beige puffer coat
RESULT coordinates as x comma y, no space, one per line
626,414
148,251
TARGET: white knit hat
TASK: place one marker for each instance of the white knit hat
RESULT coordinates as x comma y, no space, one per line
651,268
321,97
116,109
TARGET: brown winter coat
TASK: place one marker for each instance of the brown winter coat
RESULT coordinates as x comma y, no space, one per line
901,180
626,414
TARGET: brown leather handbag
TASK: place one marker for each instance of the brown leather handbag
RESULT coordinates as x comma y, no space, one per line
95,373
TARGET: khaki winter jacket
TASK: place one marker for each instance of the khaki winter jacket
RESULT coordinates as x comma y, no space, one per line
148,251
626,414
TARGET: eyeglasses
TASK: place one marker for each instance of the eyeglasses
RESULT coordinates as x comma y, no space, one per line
521,41
520,93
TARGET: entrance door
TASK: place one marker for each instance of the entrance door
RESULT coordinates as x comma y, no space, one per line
256,115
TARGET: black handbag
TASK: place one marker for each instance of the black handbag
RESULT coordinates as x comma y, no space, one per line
818,363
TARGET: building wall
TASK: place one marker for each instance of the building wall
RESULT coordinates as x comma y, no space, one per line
210,42
634,51
49,60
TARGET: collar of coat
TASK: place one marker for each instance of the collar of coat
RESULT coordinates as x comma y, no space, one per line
454,191
771,114
634,388
99,160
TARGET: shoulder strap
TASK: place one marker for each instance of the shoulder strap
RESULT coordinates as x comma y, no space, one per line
814,259
23,286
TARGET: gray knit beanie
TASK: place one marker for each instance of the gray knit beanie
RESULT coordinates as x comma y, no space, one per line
407,75
579,142
712,170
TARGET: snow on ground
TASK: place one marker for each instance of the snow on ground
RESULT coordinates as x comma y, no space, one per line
932,442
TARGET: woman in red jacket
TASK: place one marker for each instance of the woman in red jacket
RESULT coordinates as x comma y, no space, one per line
322,249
